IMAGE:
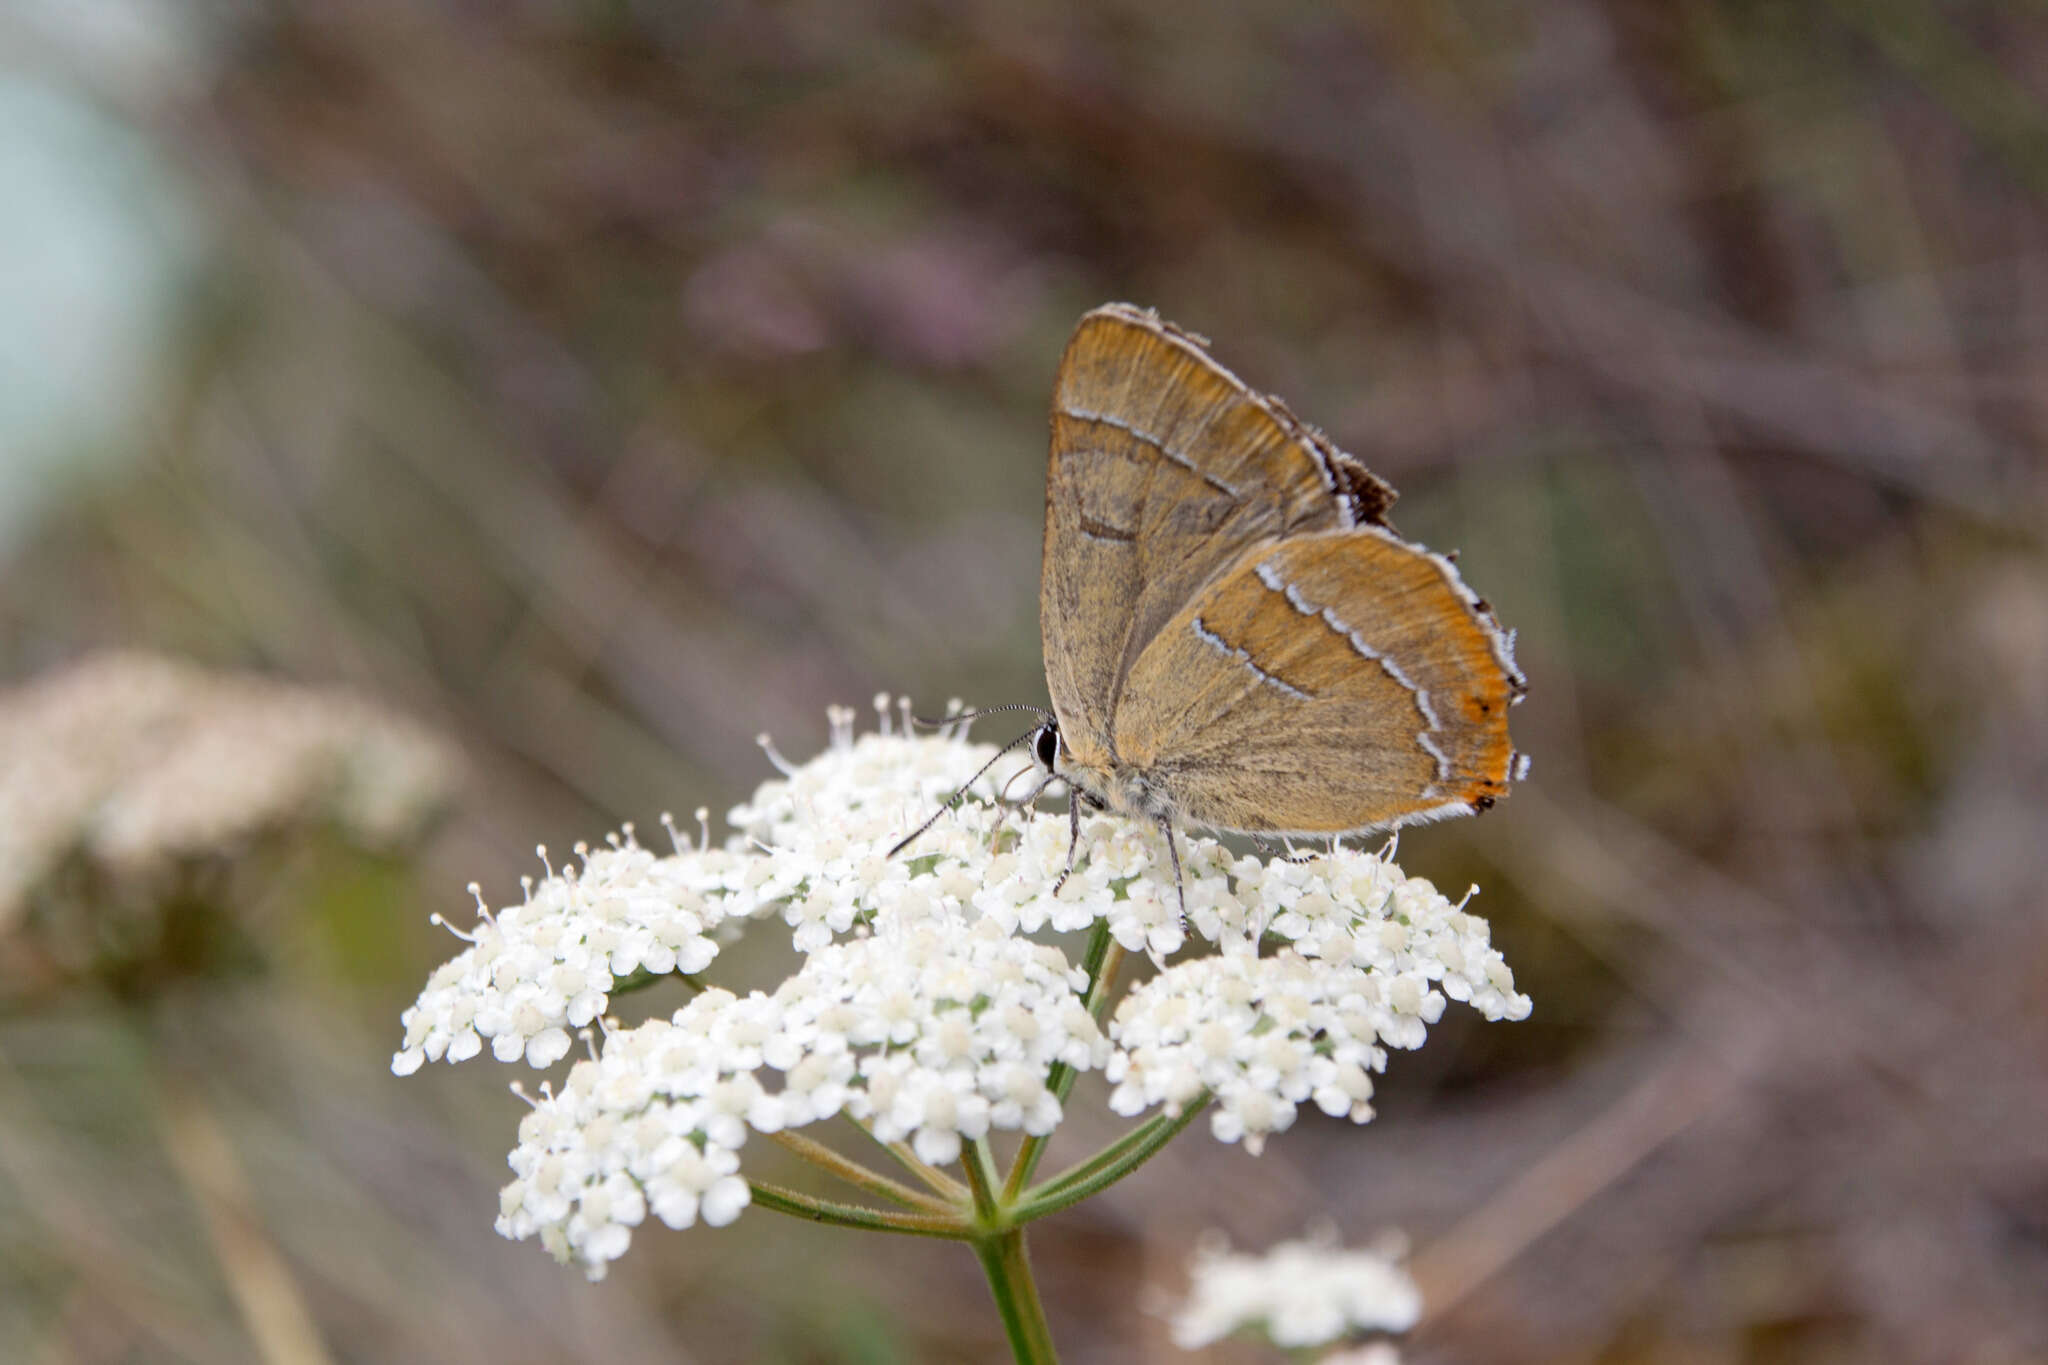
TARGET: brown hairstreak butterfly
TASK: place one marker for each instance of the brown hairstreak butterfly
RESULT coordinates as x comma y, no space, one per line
1234,635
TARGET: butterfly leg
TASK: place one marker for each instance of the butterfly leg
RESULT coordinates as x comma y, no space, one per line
1073,837
1004,805
1277,850
1173,852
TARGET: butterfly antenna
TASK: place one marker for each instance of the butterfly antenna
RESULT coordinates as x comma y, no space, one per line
961,717
947,804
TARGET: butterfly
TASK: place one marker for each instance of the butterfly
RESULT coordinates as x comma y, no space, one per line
1235,637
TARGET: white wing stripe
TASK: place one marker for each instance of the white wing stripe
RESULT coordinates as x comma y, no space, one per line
1275,582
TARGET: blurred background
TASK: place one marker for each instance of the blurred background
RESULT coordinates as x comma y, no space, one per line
587,387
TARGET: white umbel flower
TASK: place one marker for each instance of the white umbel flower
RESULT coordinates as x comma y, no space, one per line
832,822
877,785
538,970
956,1029
1302,1294
1351,906
1372,1353
930,1036
921,1007
1260,1035
1372,956
653,1125
135,764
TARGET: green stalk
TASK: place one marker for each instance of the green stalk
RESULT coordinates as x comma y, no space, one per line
943,1185
1102,961
1106,1167
826,1211
980,1164
857,1175
1016,1295
999,1243
1111,1155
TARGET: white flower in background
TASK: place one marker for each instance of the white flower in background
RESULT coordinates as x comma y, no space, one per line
920,1007
1372,1353
131,764
1301,1294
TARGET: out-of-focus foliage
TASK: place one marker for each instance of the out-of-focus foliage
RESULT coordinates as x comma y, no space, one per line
608,382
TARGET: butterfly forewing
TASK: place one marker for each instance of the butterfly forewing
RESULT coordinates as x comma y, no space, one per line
1339,681
1164,468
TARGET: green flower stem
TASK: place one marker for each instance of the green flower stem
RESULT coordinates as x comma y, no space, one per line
951,1227
1144,1139
1105,957
1106,1167
1099,944
641,979
1016,1294
859,1176
1105,977
1027,1157
1000,1245
941,1184
980,1164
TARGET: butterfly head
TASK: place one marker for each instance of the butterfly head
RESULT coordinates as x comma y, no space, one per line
1096,779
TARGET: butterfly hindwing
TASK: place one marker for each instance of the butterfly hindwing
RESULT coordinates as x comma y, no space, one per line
1338,681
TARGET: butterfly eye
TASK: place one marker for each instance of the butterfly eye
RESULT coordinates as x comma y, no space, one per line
1045,746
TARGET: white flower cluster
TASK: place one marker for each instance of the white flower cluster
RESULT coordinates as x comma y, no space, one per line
1302,1294
1371,955
921,1009
537,970
1260,1035
827,828
1358,909
1371,1353
831,823
813,848
1126,881
955,1030
924,1034
133,762
656,1124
